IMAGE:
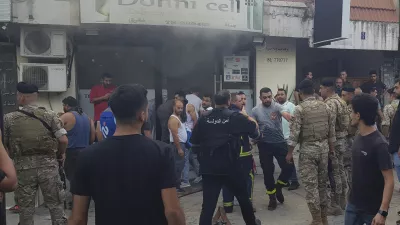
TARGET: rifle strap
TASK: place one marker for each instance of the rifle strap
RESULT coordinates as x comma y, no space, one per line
47,126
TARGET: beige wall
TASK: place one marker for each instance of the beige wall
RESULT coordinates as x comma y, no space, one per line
276,65
53,100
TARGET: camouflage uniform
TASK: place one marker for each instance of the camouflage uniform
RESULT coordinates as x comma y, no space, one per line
33,149
338,109
388,114
311,127
347,155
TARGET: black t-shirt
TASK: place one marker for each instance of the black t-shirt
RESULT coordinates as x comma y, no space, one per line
370,156
125,176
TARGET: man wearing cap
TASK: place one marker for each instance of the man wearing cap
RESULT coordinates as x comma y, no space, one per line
36,140
339,113
308,128
347,96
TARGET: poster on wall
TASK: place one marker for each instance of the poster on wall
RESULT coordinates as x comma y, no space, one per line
236,69
243,15
60,12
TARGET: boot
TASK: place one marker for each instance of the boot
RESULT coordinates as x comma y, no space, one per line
294,185
324,215
334,208
279,194
272,202
316,215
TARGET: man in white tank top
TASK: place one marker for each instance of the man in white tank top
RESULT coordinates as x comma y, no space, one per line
178,138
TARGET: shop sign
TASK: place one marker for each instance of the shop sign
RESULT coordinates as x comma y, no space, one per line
243,15
5,10
236,69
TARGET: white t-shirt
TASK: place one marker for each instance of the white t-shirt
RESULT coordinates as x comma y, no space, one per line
195,101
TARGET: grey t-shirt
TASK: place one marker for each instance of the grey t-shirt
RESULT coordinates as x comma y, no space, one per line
269,120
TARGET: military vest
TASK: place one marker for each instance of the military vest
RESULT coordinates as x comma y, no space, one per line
30,137
352,130
315,125
342,117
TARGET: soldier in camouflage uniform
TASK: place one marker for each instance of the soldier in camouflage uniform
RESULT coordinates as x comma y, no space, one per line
311,127
338,109
388,113
347,96
36,144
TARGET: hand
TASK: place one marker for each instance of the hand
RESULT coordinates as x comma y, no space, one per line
181,153
107,96
289,158
61,159
378,220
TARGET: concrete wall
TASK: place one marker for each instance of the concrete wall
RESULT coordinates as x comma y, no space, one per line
53,100
276,65
287,19
370,36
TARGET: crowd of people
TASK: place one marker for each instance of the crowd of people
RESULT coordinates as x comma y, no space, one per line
341,133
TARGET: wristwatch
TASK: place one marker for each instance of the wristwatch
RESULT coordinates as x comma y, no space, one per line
383,213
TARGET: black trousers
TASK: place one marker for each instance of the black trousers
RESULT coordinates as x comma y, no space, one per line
236,184
267,153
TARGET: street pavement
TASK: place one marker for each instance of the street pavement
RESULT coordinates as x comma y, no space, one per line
293,211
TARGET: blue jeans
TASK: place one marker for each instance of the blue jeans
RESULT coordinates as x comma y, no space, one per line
185,171
353,216
396,161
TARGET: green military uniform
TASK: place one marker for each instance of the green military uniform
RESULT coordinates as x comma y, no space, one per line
388,114
33,149
339,114
347,154
311,127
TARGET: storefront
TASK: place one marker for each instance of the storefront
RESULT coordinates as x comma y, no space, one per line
167,46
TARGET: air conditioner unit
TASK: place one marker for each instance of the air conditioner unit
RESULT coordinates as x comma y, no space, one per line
43,42
47,77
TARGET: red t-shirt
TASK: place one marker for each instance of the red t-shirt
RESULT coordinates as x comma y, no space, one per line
96,92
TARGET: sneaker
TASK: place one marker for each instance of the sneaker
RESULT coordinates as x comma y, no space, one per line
294,185
14,209
185,185
198,180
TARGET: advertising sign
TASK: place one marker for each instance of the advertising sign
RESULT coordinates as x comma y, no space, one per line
5,10
243,15
60,12
236,69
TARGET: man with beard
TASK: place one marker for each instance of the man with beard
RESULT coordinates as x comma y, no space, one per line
244,100
312,127
206,103
374,83
394,140
339,85
343,75
178,138
245,159
100,94
36,161
80,133
341,125
216,139
347,96
281,97
269,115
388,113
164,112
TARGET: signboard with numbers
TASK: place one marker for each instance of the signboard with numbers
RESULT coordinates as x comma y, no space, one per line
236,69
